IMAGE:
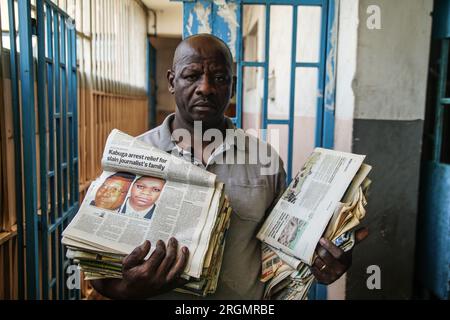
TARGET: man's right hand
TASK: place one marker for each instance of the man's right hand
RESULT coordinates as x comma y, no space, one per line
146,278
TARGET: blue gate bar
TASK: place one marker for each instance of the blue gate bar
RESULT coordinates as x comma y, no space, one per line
278,121
42,143
73,146
57,111
51,142
439,117
74,92
237,120
72,73
292,93
64,74
29,148
62,150
307,64
17,147
266,72
321,87
252,64
59,169
329,65
445,101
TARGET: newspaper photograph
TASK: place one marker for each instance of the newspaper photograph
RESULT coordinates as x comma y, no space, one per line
299,219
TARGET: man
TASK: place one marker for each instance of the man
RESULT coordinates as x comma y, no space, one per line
143,196
113,191
202,82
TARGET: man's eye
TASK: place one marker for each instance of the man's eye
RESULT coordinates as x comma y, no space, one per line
191,77
220,78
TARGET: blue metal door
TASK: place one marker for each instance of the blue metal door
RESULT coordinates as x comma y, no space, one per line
433,241
225,19
48,175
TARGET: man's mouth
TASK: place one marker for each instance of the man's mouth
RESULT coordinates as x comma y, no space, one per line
142,200
202,107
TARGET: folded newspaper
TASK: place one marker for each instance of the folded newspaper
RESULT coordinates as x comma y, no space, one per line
147,194
326,198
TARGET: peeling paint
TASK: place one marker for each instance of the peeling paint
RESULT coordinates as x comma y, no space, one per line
189,24
203,13
227,11
330,68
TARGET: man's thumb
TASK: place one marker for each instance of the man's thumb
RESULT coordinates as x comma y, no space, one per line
361,234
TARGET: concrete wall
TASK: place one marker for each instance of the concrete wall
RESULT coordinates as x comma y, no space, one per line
169,21
389,89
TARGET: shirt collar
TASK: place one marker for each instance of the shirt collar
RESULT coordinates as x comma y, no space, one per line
167,142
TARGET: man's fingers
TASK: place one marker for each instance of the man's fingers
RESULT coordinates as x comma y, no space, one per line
136,257
180,282
152,264
319,263
316,272
171,255
329,246
361,234
332,263
179,265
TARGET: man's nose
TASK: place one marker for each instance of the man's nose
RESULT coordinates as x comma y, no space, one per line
205,87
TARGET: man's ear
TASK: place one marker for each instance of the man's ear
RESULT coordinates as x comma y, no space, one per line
170,80
233,86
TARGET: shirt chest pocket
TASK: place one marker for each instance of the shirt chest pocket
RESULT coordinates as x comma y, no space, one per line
248,197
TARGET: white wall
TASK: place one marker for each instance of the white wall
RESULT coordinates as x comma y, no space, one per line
169,22
345,73
392,62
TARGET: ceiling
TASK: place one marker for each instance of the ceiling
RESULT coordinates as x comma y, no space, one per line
163,4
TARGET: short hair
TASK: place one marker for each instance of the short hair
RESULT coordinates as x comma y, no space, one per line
150,177
208,35
123,175
226,51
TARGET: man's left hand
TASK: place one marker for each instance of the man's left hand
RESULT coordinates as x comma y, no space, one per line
332,262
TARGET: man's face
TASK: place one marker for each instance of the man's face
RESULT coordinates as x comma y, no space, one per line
202,82
145,192
112,193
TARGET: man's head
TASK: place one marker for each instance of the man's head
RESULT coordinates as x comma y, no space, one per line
145,192
113,191
201,79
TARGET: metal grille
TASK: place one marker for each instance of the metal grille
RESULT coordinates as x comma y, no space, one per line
49,168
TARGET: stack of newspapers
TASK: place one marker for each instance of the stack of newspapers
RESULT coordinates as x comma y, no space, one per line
147,194
327,199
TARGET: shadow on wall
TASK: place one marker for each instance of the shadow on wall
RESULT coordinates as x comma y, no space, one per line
165,49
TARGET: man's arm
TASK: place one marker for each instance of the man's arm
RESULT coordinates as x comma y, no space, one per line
147,278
